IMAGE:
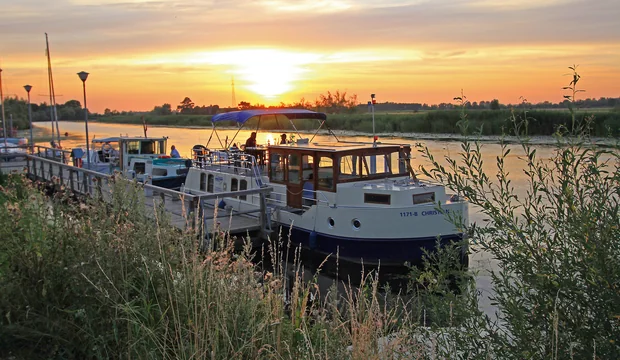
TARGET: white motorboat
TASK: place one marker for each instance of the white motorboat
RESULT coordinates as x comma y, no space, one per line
359,200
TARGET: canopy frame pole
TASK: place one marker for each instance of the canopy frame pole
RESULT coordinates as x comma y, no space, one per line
294,127
235,136
317,130
210,136
218,137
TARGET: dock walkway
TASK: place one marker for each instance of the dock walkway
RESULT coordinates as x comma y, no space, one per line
186,209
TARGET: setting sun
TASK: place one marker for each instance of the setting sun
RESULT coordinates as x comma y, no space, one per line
266,72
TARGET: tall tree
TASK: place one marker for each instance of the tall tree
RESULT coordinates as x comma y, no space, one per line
186,106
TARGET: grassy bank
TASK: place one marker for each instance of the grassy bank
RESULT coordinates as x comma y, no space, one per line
543,122
85,280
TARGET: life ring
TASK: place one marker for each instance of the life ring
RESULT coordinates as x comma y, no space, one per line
164,156
106,148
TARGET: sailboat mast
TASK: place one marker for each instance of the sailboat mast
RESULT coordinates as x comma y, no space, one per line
2,104
52,93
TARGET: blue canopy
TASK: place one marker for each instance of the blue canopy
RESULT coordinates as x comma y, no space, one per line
242,116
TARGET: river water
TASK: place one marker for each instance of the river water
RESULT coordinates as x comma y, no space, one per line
185,138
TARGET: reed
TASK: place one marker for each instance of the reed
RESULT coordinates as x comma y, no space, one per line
87,280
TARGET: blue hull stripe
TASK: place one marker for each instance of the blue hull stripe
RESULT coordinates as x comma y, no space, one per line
387,251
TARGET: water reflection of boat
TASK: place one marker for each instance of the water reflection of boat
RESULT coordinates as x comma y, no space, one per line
359,200
141,158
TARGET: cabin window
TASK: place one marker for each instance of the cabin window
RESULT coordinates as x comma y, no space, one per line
307,162
234,184
243,185
133,147
424,198
384,199
161,147
375,164
139,167
203,182
160,172
277,164
294,169
210,184
147,147
326,173
402,162
349,166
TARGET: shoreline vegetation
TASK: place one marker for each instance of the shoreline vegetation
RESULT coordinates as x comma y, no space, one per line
86,280
606,122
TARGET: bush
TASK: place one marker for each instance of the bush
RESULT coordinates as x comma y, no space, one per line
556,289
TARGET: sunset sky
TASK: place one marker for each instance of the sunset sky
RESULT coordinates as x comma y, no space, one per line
142,53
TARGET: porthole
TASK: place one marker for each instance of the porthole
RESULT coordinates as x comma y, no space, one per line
356,224
331,222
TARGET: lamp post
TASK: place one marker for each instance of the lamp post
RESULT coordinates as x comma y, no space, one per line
28,88
372,106
83,76
2,104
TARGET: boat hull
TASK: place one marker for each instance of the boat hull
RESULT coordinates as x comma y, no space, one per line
385,252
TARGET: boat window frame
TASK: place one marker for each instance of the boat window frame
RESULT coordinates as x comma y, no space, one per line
432,198
370,201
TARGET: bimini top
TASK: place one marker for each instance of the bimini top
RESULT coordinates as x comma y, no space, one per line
242,116
116,139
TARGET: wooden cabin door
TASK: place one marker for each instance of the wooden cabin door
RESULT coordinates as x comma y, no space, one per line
294,183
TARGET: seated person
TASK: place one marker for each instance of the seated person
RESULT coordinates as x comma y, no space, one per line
283,140
174,153
308,191
251,141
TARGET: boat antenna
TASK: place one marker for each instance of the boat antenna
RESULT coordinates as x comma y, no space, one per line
372,103
2,104
54,113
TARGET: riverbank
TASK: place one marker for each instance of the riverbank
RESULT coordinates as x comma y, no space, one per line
605,122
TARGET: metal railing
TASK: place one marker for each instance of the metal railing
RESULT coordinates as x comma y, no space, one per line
187,208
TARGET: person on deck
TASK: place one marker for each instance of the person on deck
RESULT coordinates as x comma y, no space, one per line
251,141
174,153
283,140
308,191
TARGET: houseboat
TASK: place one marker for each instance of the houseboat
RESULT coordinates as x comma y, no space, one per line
141,158
361,201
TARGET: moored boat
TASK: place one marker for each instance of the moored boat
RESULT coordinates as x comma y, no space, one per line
361,201
141,158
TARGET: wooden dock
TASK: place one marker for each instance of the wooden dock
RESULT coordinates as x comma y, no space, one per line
185,209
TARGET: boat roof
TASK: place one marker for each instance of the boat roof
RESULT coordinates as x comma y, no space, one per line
127,138
243,116
338,146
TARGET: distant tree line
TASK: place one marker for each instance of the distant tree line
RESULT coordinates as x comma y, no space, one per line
18,109
494,104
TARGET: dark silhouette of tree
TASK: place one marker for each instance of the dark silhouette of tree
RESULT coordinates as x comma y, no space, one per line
494,104
186,106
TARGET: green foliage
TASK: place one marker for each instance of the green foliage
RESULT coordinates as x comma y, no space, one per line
498,122
556,289
88,280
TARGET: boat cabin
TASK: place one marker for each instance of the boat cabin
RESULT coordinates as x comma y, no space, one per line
121,150
321,167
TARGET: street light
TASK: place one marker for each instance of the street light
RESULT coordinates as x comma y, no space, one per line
372,104
83,76
28,88
3,119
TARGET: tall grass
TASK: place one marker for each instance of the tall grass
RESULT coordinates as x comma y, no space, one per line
90,280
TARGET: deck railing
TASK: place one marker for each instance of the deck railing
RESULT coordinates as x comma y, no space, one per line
186,208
